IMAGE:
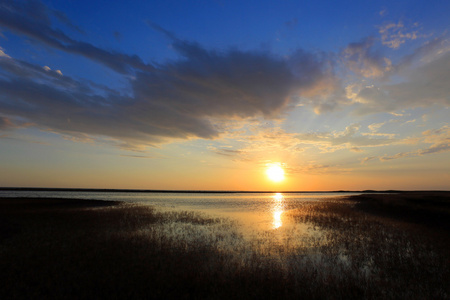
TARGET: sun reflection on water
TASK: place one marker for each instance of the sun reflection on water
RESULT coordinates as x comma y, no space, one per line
278,210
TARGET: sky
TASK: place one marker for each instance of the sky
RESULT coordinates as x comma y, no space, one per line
206,95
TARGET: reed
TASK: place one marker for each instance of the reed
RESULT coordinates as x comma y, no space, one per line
54,249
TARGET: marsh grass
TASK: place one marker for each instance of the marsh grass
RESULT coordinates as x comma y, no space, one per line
55,249
389,258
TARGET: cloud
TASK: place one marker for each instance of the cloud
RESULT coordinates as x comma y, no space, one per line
32,19
409,121
273,140
47,69
259,142
396,156
316,168
364,61
443,147
183,99
375,126
350,138
5,123
11,68
301,76
419,79
190,97
367,159
439,138
356,149
3,54
425,83
142,156
227,152
383,12
200,92
395,34
233,84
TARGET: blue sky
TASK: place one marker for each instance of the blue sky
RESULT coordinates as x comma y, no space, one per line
208,94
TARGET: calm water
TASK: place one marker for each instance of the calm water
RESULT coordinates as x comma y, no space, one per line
254,212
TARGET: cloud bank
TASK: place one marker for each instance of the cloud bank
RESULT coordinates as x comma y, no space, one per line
178,99
191,97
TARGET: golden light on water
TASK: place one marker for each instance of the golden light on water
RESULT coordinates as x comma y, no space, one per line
275,172
277,210
277,219
278,197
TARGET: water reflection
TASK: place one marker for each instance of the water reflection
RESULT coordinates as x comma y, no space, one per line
278,209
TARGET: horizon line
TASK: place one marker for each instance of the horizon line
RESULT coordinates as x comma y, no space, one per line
200,191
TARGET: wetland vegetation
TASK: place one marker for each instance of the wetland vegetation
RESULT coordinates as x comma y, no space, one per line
370,246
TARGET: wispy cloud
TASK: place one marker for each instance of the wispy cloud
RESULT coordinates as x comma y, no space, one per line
260,142
394,35
350,138
438,138
425,83
142,156
364,61
316,168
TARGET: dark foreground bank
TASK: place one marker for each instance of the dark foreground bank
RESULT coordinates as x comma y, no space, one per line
370,246
427,209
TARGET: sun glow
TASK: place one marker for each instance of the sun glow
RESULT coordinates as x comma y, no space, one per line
275,173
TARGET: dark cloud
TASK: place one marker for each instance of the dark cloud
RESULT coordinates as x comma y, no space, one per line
31,18
210,84
62,17
71,111
180,99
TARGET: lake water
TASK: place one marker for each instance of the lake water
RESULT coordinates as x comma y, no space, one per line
255,213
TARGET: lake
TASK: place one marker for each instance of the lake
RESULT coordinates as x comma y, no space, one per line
254,213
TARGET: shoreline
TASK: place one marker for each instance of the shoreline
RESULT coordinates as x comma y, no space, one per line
37,189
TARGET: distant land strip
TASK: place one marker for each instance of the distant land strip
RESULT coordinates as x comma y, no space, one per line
36,189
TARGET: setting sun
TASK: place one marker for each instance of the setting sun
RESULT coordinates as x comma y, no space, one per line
275,173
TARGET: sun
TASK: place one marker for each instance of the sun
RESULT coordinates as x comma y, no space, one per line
275,173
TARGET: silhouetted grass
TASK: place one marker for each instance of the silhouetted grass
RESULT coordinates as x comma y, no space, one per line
60,249
384,256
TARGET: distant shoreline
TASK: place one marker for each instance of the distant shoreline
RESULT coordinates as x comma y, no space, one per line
34,189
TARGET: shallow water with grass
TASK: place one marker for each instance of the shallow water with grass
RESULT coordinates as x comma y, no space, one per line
250,246
254,213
